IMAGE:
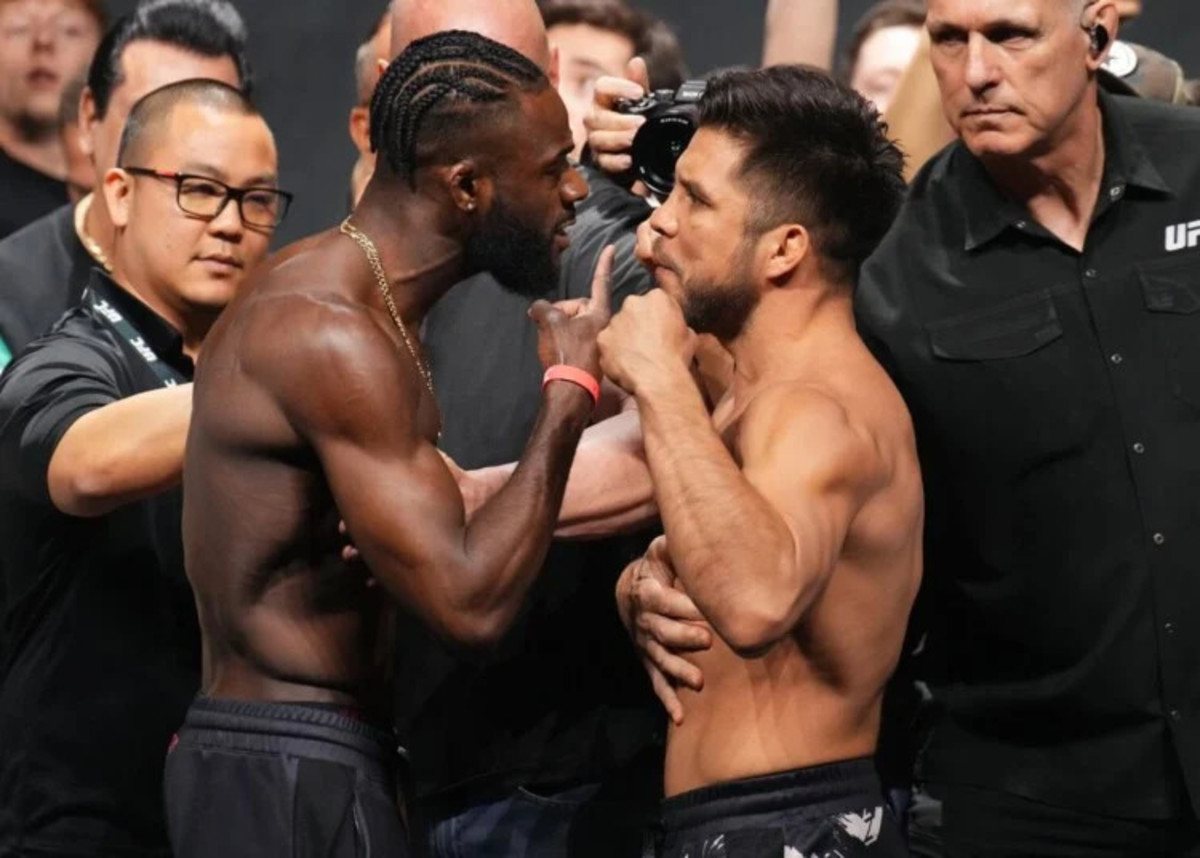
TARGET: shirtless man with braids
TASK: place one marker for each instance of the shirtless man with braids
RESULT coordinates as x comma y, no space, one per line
313,402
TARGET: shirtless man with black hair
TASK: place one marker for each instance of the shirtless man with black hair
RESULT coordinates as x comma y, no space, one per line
772,612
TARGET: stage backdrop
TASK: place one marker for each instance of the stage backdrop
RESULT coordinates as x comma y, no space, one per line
303,51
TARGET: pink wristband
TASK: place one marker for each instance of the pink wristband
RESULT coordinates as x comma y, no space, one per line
575,375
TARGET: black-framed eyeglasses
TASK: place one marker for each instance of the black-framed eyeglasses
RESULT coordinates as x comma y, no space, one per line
204,197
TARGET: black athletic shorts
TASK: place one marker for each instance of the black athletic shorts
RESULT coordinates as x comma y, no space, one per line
248,780
830,811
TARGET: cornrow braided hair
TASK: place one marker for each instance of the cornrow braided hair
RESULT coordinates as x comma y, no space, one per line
446,75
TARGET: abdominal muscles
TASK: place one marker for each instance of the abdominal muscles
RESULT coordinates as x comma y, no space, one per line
785,710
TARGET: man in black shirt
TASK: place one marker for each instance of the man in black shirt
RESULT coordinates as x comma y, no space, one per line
45,266
1039,306
99,645
28,194
44,46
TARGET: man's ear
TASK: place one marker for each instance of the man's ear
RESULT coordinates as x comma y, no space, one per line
118,194
1101,21
360,129
469,189
87,122
784,249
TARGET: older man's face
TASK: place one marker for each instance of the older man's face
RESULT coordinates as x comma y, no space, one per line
1012,73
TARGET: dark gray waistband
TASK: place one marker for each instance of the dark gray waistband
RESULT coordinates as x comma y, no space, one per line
832,784
291,728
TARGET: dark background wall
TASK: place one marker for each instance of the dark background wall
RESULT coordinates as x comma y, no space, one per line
303,52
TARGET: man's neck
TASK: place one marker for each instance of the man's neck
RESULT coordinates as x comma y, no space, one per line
98,224
34,145
1060,187
789,326
421,259
192,326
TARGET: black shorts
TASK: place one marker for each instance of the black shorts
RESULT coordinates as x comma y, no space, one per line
246,780
830,811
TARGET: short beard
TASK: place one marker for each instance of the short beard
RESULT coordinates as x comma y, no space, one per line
520,257
722,310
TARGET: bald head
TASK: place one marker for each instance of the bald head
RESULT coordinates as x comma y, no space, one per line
367,60
517,24
149,120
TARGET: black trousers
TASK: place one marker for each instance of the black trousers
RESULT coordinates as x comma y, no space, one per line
981,823
830,811
245,780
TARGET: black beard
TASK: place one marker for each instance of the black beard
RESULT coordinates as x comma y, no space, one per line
520,257
719,310
709,308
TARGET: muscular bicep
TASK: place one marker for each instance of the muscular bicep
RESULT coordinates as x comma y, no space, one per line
401,506
354,397
815,469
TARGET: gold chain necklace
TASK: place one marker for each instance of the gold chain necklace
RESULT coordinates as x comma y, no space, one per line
372,253
89,244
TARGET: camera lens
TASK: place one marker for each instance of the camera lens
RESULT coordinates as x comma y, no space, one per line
657,147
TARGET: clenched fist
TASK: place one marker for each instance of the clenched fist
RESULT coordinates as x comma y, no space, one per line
645,341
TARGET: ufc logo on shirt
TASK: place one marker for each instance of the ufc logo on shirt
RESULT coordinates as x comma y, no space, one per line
1183,235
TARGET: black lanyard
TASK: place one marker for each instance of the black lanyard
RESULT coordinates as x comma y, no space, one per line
167,374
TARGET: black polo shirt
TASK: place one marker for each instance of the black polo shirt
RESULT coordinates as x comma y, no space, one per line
564,698
43,271
1056,398
99,644
28,194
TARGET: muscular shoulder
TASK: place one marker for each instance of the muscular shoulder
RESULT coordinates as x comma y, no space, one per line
323,358
811,433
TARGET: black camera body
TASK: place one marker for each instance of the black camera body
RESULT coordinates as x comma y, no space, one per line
671,118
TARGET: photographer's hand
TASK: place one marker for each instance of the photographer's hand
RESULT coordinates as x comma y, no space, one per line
610,134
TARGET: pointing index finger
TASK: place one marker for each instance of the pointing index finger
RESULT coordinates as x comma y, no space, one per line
602,282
